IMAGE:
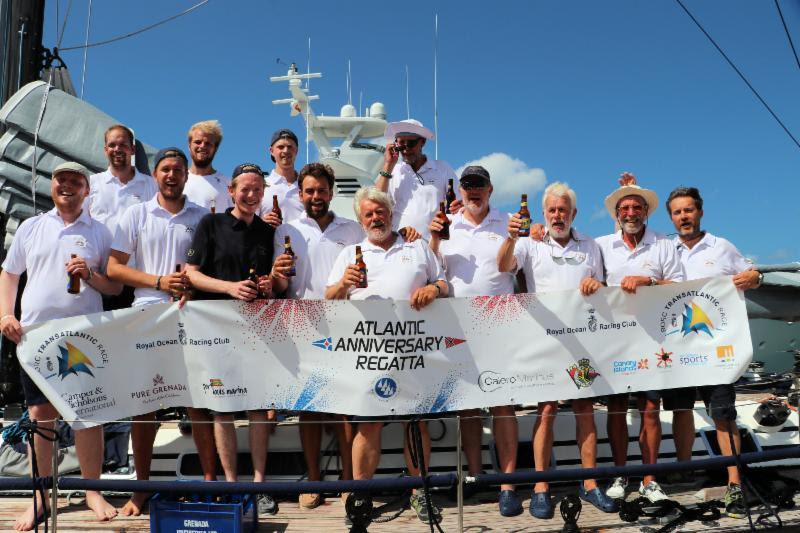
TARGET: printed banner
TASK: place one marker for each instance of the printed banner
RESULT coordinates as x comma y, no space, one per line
381,357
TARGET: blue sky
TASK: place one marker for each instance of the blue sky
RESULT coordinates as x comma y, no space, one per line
575,91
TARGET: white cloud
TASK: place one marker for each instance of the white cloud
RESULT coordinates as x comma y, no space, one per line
510,177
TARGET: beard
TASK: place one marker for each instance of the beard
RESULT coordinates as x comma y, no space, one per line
203,163
320,213
379,234
632,226
559,233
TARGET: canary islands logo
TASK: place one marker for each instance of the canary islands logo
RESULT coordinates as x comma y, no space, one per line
695,320
72,361
582,374
664,359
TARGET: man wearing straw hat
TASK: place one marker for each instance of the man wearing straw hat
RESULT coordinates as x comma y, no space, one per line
636,256
416,184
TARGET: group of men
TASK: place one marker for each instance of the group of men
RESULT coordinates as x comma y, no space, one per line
125,239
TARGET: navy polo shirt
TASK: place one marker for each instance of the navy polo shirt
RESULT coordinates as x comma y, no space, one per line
225,248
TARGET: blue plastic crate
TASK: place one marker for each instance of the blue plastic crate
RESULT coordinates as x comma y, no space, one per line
167,515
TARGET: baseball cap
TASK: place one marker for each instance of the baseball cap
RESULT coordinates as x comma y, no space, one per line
165,153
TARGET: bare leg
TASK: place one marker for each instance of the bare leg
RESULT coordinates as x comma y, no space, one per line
310,429
472,439
203,435
345,433
367,449
724,429
225,437
683,434
44,453
143,434
649,433
543,440
89,447
617,428
586,437
506,438
259,443
426,449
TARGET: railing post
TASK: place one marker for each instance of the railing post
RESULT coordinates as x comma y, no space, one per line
54,488
459,477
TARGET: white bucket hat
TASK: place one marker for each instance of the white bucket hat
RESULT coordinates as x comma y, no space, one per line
407,127
650,197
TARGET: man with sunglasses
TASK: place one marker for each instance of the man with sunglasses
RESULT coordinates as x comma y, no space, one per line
636,256
470,260
416,184
282,181
564,259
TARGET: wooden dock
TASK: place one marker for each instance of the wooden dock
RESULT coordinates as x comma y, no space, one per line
480,515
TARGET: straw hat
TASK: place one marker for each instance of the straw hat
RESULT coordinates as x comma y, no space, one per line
407,127
650,197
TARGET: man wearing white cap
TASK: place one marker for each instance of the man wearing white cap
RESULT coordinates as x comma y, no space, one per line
52,247
636,256
416,184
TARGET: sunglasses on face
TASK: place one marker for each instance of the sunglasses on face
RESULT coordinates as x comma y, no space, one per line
408,143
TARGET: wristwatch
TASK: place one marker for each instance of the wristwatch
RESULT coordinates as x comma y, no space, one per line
653,281
387,175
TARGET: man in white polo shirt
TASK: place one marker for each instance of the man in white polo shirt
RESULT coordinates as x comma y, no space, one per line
396,270
564,259
156,234
317,237
282,181
206,186
705,255
51,247
470,260
636,256
416,184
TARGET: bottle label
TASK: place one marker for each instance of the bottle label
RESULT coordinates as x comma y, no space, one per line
526,224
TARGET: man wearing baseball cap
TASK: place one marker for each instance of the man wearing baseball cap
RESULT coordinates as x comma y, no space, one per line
282,181
51,247
416,184
636,256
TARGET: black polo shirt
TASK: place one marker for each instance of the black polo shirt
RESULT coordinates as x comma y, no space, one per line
225,248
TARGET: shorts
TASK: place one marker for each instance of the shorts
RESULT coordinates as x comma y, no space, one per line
122,300
720,401
33,395
679,399
652,395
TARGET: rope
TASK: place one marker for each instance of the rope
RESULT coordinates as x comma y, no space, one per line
31,428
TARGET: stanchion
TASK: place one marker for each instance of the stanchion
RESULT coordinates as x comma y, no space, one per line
54,490
459,477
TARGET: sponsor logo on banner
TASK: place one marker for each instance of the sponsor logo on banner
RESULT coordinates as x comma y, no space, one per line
693,313
664,359
160,390
216,387
582,374
592,323
644,364
490,381
627,367
182,334
693,359
385,388
725,356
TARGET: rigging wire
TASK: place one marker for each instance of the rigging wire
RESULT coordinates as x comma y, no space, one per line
60,36
86,47
744,79
788,35
137,32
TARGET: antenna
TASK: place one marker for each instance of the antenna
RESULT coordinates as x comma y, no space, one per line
435,85
349,84
408,105
360,98
308,89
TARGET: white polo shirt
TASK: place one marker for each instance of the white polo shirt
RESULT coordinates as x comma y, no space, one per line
391,274
470,256
711,256
315,252
209,190
42,246
109,197
415,202
156,240
655,256
548,266
288,197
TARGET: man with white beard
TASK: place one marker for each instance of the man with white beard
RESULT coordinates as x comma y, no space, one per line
564,259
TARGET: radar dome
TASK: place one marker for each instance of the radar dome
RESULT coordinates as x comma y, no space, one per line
377,110
348,110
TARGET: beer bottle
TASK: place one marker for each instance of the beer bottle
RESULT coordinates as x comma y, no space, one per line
276,208
287,249
525,215
450,196
213,206
176,295
74,286
252,276
444,234
362,268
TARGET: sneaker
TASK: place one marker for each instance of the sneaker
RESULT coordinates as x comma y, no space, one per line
310,501
509,503
541,505
652,492
598,499
734,502
419,503
617,488
266,504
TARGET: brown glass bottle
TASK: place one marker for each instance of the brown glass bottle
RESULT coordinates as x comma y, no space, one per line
276,208
449,197
74,286
525,215
176,295
252,276
362,268
444,234
287,249
213,206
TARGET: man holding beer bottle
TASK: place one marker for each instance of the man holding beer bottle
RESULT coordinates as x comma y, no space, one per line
51,247
470,260
416,184
282,184
157,235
